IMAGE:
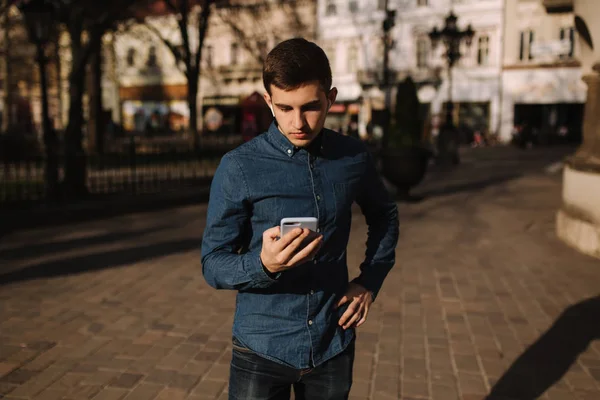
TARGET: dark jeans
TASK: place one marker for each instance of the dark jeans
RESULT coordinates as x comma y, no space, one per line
255,378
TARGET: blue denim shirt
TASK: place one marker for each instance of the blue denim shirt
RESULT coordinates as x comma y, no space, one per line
291,318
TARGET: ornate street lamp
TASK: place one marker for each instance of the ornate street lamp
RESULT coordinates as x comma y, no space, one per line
39,19
451,37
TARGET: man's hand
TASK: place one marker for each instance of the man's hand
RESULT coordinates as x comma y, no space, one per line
360,301
279,255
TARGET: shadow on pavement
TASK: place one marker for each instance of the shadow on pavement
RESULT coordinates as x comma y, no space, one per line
458,187
40,249
99,208
99,261
550,357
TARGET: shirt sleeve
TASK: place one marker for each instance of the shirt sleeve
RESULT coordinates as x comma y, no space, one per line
381,215
224,264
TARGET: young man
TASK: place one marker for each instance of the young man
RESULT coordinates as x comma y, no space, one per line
296,311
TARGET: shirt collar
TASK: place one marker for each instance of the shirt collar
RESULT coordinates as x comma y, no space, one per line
317,147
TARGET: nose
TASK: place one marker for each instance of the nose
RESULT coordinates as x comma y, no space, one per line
298,120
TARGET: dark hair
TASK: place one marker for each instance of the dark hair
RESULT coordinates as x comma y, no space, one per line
294,62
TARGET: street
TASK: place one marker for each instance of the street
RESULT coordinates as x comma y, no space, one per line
483,298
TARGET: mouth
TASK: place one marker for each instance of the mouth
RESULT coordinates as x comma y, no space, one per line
300,135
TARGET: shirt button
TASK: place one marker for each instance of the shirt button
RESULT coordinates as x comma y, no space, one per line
314,262
312,292
289,151
310,321
318,229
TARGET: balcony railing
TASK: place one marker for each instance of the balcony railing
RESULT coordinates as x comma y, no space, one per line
556,6
375,77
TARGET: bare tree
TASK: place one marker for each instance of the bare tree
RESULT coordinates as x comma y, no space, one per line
253,21
250,21
85,21
192,19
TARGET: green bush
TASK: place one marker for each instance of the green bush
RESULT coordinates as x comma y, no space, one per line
406,126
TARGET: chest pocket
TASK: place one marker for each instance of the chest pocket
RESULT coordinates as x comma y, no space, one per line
345,194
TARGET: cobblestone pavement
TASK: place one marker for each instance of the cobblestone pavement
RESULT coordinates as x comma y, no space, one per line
484,298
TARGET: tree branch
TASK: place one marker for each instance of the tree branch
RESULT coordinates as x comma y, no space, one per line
202,29
172,47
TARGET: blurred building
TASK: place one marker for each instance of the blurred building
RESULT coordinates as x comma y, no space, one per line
542,91
151,89
475,87
352,35
20,108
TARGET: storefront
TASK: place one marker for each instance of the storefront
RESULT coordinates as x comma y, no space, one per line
343,117
221,115
546,101
154,109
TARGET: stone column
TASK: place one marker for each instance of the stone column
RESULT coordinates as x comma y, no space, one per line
578,220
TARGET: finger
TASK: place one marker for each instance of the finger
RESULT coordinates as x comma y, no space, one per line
363,318
353,319
306,253
288,238
342,301
313,253
350,311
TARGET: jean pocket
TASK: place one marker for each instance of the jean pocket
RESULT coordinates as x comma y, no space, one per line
238,346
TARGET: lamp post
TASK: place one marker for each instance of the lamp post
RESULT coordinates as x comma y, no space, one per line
451,37
388,23
39,19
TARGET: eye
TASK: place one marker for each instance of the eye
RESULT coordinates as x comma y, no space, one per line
313,107
285,109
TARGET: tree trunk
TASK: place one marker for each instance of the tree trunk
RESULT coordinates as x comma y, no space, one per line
96,119
192,98
75,160
7,114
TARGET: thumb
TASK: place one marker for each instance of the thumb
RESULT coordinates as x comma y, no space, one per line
271,233
343,300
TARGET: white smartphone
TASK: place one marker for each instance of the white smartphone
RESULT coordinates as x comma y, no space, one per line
289,224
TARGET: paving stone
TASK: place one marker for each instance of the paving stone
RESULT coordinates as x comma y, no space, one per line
481,277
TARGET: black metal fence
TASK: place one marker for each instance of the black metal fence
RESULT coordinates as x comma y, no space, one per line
129,167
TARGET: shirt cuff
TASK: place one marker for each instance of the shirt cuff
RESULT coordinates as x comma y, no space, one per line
372,287
259,273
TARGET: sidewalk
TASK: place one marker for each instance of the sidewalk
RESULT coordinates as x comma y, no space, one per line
484,298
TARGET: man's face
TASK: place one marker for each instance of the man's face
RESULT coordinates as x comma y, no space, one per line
301,112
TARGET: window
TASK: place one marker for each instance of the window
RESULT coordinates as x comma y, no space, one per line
131,57
330,53
421,3
352,59
152,60
330,8
568,34
353,6
422,52
483,50
209,56
233,55
525,43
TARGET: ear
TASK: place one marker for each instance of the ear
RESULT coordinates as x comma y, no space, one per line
331,96
269,102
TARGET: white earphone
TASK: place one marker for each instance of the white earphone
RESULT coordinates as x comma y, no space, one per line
272,111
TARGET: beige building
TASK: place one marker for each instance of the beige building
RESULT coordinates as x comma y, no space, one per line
542,88
148,85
